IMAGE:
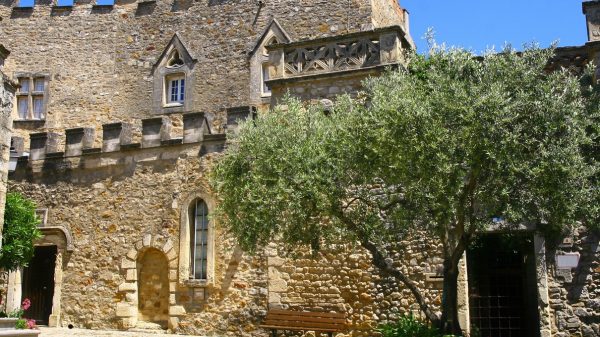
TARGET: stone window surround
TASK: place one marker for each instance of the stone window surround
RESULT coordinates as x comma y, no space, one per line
259,56
32,76
185,277
162,71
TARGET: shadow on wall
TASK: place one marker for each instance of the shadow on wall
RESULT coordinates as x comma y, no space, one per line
232,268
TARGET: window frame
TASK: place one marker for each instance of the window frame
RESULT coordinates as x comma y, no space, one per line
185,261
168,85
265,91
32,95
202,248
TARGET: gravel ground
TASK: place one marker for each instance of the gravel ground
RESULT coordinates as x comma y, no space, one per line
64,332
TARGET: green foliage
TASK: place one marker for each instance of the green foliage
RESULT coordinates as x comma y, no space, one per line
443,146
408,326
19,233
21,324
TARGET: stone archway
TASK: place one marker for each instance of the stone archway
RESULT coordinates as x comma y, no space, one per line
153,288
128,308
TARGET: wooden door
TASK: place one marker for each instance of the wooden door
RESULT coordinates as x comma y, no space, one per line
38,284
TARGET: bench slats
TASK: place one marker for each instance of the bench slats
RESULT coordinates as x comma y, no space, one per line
277,327
306,313
307,321
305,324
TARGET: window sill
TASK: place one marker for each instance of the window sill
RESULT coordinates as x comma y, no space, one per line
29,120
193,283
172,105
29,123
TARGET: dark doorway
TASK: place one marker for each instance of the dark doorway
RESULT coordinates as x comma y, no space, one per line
38,284
503,286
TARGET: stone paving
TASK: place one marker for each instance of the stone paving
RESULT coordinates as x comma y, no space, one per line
64,332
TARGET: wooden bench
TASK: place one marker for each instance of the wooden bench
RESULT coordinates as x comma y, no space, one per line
323,322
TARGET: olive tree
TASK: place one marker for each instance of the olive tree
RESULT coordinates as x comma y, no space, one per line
441,146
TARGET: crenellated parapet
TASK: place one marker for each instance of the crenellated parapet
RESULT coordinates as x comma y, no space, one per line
78,148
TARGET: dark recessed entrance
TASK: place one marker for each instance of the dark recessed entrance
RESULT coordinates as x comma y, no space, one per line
503,286
38,284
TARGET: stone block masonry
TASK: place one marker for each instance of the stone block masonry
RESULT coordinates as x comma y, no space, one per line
100,60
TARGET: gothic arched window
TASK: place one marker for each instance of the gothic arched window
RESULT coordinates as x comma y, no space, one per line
198,222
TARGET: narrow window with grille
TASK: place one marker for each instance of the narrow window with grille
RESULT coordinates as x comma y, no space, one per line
199,240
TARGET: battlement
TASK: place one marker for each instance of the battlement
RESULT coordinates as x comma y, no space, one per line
118,139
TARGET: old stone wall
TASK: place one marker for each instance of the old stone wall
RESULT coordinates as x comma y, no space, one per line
7,92
99,59
342,279
575,293
124,207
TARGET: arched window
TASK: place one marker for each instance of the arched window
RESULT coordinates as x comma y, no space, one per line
198,222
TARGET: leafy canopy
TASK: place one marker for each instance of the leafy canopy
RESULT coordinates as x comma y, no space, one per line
443,145
19,232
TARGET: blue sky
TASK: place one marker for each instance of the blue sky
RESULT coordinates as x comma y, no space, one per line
479,24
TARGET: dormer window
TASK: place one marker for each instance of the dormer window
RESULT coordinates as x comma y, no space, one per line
260,67
175,61
174,79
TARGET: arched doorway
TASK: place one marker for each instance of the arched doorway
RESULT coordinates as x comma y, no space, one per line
153,289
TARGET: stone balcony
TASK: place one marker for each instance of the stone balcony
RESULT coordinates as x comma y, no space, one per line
333,61
337,54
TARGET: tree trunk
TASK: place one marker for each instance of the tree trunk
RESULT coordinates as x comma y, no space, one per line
449,323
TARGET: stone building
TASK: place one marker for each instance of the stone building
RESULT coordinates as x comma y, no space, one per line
123,108
7,95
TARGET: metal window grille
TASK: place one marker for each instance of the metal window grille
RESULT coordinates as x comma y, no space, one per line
199,241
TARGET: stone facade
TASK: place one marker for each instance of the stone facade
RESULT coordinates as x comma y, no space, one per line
7,93
575,293
117,163
121,211
100,59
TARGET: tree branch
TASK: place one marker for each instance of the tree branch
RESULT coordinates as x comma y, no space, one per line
384,264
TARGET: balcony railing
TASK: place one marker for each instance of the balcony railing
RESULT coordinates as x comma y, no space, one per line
362,50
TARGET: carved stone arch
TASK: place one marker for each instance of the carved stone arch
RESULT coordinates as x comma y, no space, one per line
165,68
127,308
184,238
259,67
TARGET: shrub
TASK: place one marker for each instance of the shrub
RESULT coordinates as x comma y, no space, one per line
408,326
19,233
21,324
